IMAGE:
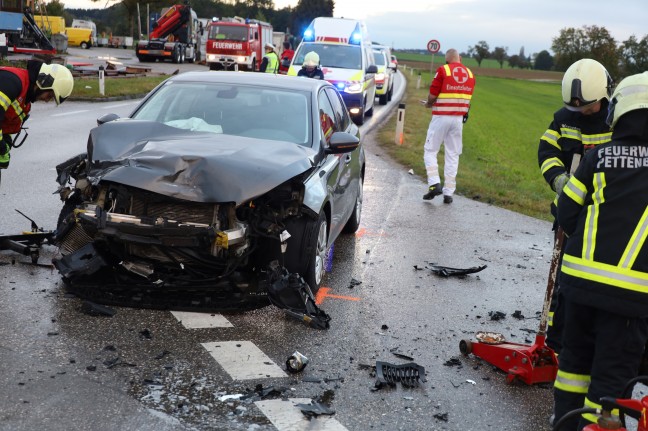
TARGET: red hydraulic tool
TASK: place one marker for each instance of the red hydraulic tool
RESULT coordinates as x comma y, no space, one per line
532,364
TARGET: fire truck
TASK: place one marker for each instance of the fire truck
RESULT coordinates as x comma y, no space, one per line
19,32
237,43
175,36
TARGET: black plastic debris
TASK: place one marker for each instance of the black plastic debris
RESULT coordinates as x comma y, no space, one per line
315,409
117,362
408,374
445,271
496,315
518,314
92,309
291,293
146,334
454,362
398,354
418,268
353,283
441,416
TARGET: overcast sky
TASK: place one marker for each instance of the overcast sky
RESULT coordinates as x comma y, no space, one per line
462,23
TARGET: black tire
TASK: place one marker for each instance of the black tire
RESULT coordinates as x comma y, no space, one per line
359,117
382,99
175,58
254,67
353,223
307,250
84,45
213,66
390,93
369,112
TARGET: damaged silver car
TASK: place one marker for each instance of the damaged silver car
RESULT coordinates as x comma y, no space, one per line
215,184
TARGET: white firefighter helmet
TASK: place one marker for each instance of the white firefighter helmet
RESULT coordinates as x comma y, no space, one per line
57,78
629,95
585,82
311,59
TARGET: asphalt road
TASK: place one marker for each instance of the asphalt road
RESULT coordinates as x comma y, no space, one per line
62,369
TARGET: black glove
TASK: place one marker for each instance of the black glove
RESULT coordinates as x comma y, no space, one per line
465,117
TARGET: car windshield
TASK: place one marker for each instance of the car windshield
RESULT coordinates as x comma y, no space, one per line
379,56
228,32
241,110
331,55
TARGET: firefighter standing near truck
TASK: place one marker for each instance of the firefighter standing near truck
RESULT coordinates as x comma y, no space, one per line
580,124
604,273
19,88
270,62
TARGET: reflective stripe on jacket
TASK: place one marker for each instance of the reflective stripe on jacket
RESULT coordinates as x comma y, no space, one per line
604,210
273,63
15,110
453,85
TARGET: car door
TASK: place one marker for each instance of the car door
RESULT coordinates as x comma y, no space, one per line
334,165
349,165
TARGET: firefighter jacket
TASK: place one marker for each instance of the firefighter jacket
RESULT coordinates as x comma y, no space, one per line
315,73
453,86
270,63
604,211
14,99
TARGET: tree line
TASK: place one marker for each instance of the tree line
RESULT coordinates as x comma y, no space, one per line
619,58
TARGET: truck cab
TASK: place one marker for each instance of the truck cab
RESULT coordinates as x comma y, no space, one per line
236,43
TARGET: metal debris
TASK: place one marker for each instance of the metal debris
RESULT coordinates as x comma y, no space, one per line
315,409
296,362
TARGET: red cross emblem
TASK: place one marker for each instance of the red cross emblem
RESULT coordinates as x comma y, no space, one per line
460,75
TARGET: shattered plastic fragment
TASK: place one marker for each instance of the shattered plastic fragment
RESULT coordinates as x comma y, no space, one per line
472,382
315,409
445,271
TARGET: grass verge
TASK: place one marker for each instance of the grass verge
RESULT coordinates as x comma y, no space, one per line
88,89
499,164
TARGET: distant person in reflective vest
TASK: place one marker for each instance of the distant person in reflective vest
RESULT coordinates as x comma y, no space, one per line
270,62
450,94
286,57
310,68
19,88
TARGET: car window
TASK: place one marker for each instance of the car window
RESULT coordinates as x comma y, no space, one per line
242,110
331,55
341,113
327,116
379,56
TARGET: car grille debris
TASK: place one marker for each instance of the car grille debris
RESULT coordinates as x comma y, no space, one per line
409,375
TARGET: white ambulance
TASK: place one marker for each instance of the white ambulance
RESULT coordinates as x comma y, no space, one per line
346,58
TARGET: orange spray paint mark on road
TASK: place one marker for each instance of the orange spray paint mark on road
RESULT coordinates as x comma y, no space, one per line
368,232
323,292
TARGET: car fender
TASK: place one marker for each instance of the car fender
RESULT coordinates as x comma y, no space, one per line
315,187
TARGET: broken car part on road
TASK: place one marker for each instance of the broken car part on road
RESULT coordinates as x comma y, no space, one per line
186,203
445,271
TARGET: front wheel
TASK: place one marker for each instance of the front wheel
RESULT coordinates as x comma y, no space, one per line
307,250
84,45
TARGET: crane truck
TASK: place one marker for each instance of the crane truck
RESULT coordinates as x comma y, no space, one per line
175,36
19,32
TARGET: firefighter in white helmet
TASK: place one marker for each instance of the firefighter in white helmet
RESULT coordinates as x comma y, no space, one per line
577,126
18,89
311,66
604,273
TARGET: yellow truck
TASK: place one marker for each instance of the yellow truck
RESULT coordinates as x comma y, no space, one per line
79,37
50,24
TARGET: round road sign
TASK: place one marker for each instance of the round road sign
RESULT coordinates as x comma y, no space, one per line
433,46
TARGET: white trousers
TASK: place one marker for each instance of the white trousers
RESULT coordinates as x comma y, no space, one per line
446,130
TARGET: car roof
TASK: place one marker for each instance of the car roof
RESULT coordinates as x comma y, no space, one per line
269,80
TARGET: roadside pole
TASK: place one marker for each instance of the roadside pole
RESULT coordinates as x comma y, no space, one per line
433,46
400,122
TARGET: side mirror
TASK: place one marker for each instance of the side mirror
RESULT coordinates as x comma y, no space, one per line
342,142
106,118
372,69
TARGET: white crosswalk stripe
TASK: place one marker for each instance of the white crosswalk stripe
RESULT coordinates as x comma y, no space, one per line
192,320
286,416
243,360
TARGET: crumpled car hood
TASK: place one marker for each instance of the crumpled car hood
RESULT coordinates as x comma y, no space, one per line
194,166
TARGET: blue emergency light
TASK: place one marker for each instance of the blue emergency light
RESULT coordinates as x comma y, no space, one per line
309,35
340,86
356,36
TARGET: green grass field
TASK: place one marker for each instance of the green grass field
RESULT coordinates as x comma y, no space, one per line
499,163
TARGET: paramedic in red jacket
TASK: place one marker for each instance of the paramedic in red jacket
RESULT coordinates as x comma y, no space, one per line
449,98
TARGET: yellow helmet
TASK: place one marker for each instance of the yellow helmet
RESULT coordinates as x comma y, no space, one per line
311,59
585,82
630,94
57,78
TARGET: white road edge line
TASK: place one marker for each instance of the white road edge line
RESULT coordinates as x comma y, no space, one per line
191,320
243,360
286,416
63,114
